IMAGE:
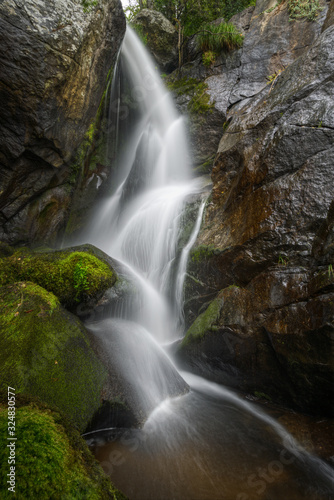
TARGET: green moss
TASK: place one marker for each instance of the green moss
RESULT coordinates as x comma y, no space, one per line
44,351
203,252
73,277
200,101
52,460
205,167
204,322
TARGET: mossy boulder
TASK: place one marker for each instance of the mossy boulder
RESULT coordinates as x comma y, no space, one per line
51,459
74,275
45,352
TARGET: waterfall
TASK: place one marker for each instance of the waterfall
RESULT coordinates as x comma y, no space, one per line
205,443
140,224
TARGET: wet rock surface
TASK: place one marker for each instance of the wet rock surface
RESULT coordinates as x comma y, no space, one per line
266,244
160,36
56,58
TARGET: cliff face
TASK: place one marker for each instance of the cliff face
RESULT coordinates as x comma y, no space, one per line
56,56
266,244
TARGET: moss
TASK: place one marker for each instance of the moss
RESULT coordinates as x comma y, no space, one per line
204,322
44,351
200,101
52,460
5,250
203,252
205,167
74,277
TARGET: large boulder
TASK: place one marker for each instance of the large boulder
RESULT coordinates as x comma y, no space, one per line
269,230
160,36
56,60
45,352
78,276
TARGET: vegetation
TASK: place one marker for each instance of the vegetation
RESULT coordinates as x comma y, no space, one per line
52,460
200,101
73,277
204,323
219,37
44,351
88,5
308,9
300,9
192,17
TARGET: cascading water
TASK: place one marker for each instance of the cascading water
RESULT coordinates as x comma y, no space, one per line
208,443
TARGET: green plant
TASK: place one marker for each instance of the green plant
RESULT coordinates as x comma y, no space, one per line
140,32
80,279
330,271
88,5
283,261
273,78
220,37
308,9
209,58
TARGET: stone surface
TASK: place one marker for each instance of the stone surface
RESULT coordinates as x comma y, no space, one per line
329,21
55,62
271,43
161,38
268,229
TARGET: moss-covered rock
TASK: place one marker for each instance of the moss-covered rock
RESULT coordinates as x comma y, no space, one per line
45,351
73,275
51,459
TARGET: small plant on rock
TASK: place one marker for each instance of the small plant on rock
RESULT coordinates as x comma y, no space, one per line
209,58
217,38
308,9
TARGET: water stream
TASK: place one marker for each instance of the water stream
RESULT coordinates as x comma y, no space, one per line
207,443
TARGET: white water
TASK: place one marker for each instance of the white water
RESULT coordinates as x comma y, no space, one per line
140,226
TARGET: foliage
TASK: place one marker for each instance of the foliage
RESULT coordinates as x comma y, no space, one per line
208,58
308,9
80,278
232,7
300,9
219,37
140,32
192,14
272,79
88,5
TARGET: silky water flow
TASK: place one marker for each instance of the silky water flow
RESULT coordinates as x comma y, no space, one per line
199,440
